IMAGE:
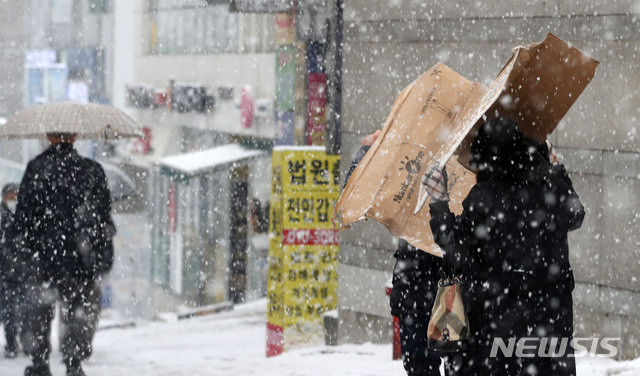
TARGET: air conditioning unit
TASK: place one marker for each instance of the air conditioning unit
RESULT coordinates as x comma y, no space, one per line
264,107
138,96
225,92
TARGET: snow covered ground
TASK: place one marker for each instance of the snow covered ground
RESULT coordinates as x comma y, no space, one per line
232,343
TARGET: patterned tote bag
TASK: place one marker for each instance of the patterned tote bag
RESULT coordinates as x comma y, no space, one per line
449,325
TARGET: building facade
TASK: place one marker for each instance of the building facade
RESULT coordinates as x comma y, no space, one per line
199,77
12,18
53,51
390,43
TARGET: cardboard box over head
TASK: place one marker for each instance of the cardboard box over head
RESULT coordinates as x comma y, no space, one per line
536,89
435,118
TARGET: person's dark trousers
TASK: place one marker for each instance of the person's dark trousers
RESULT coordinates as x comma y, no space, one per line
79,325
42,301
417,359
546,315
79,315
13,311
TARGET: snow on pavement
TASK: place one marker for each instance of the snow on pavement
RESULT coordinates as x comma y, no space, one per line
232,343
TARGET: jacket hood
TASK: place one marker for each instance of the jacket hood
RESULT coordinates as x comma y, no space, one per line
501,152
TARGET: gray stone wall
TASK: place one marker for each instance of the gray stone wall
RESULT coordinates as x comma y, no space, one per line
390,43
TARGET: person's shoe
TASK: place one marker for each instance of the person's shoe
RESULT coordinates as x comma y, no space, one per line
10,354
37,371
75,371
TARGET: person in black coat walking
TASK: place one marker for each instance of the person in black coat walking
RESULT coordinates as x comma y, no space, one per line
13,294
415,277
511,245
415,283
64,217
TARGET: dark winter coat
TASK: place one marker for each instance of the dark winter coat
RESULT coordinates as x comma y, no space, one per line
511,245
354,163
64,215
11,266
513,234
415,280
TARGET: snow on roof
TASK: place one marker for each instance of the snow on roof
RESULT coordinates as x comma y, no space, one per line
299,148
205,160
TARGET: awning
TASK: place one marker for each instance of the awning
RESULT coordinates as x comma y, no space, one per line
187,165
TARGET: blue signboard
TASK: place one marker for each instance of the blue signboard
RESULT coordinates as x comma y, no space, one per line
284,128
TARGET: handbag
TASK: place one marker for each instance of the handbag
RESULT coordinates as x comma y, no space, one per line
448,329
94,240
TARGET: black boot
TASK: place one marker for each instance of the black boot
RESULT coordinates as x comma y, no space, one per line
75,371
10,352
74,368
37,371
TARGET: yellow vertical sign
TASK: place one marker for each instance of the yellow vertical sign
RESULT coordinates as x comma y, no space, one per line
304,246
310,190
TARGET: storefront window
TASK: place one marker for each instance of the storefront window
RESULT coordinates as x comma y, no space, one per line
61,11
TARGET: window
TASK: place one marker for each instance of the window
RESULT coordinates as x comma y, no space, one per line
192,27
61,11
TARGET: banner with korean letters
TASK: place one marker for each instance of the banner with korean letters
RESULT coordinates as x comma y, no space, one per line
304,246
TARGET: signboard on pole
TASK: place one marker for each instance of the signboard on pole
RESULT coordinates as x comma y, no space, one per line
316,108
285,29
285,77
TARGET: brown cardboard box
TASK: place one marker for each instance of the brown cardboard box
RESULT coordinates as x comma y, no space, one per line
434,119
385,184
535,88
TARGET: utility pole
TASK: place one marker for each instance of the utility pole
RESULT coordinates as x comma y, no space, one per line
334,128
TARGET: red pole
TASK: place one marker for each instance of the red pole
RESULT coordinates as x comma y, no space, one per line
397,351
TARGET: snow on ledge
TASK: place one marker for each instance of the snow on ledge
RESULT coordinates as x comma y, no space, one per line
201,161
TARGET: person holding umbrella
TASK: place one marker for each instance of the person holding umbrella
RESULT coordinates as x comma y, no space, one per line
511,243
62,197
64,218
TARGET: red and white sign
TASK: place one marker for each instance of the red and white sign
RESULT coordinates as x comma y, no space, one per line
310,237
275,340
316,108
247,106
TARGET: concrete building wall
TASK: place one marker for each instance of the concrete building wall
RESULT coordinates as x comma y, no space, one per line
62,25
389,43
127,37
253,65
12,47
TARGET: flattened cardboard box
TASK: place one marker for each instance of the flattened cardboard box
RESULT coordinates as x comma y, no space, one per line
434,119
385,184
